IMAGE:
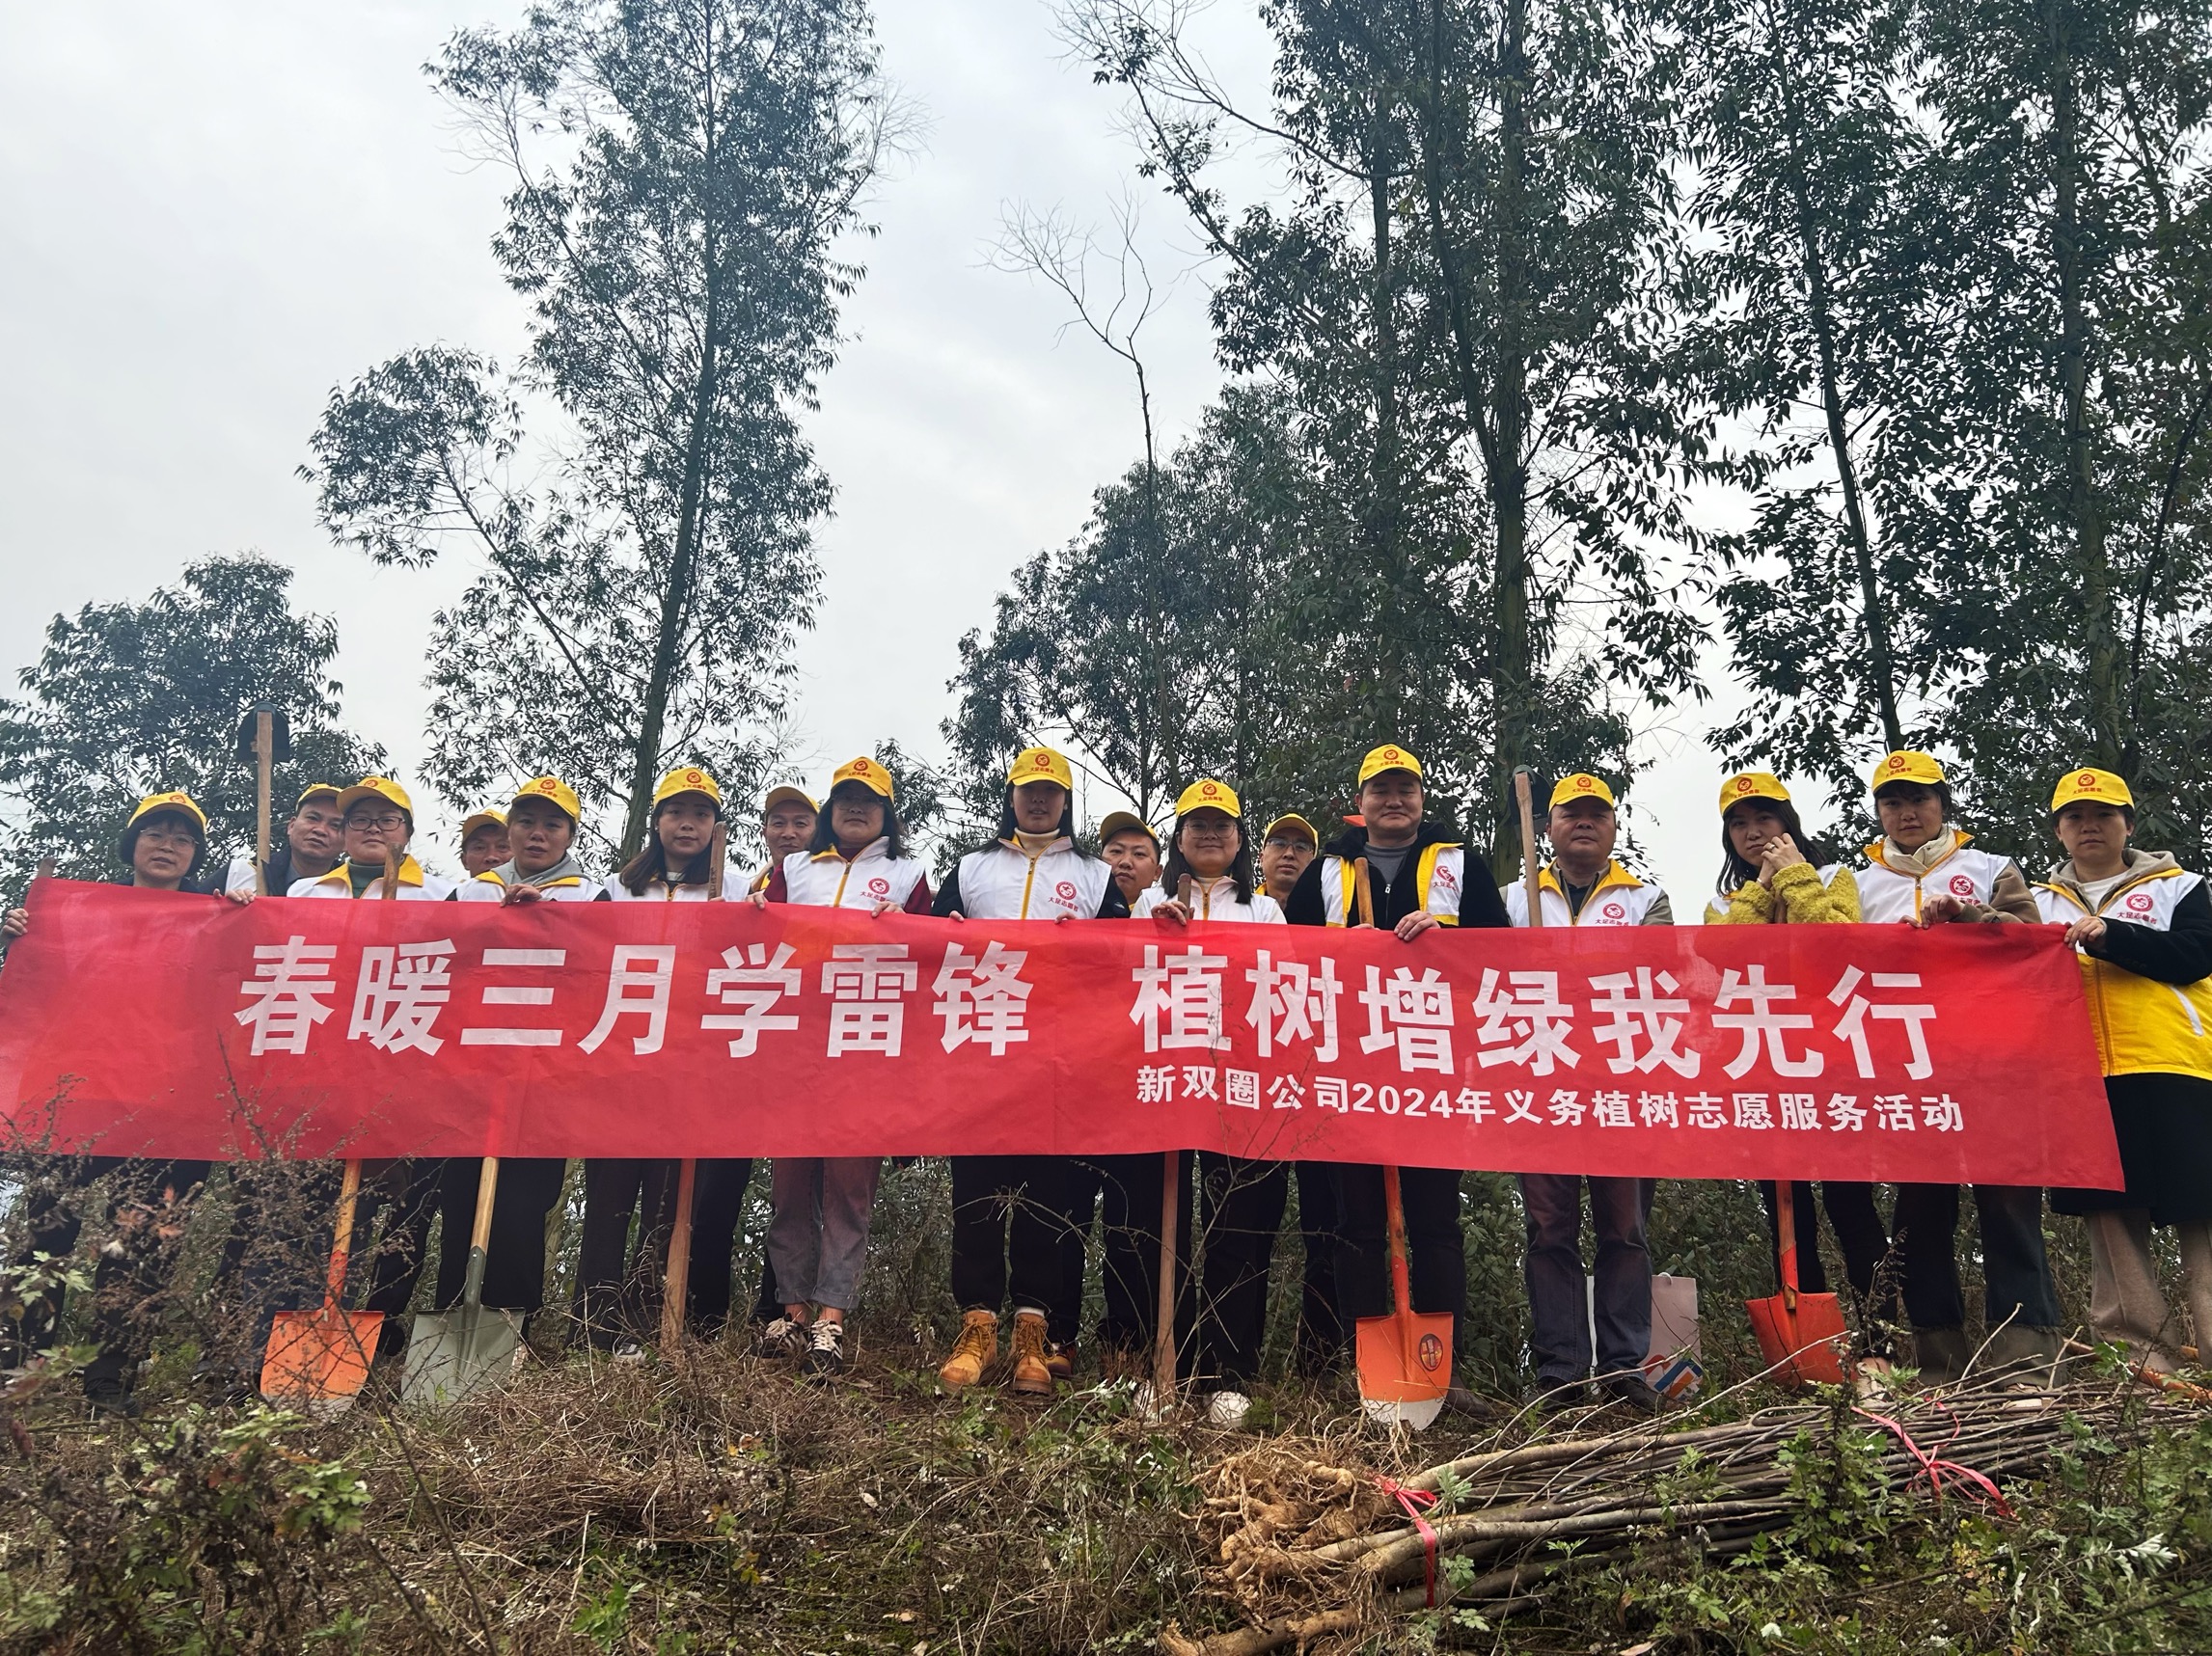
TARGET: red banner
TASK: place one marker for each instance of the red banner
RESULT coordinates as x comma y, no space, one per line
147,1022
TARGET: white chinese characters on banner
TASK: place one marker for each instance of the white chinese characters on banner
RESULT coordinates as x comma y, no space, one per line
1292,1003
1761,1025
1411,1013
517,995
982,997
637,985
398,995
1184,990
1527,1024
752,981
1644,1009
867,985
1857,1009
285,994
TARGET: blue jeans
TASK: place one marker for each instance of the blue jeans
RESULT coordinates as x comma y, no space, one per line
1559,1311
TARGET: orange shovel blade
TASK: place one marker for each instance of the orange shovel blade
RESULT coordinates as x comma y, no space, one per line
1406,1357
1803,1347
319,1357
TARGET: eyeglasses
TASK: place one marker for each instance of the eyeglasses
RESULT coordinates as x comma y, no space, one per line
388,821
169,833
1279,843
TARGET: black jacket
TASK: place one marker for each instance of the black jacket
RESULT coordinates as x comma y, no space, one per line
1480,903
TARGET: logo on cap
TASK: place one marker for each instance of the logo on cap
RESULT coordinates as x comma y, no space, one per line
859,767
1962,884
1743,784
1896,761
1582,784
1390,753
1042,762
2087,781
693,777
1209,789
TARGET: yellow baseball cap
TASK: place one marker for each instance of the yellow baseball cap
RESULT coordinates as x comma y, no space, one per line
688,780
315,791
475,820
1751,785
1906,765
1388,757
1126,821
866,772
551,788
176,800
377,788
2097,787
1207,794
1041,764
1581,785
1291,820
786,795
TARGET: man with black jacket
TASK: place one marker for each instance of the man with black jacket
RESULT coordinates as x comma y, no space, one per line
313,839
1418,876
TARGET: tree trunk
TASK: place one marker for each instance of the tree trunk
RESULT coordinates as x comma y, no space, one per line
1881,670
683,558
1511,674
1384,539
2100,634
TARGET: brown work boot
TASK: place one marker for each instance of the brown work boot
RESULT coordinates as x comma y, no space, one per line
972,1352
1031,1371
1060,1358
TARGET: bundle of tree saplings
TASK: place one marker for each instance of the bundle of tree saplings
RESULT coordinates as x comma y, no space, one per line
1313,1540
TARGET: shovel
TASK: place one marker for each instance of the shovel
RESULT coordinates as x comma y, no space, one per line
449,1354
677,1286
319,1359
1800,1335
1405,1359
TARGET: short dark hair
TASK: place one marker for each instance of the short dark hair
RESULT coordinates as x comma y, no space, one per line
126,847
826,835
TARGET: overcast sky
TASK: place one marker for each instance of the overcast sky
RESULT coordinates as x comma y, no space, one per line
211,214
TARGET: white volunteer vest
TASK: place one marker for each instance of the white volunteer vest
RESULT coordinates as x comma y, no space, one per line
1620,898
660,891
1001,882
1888,895
824,879
1439,873
488,887
416,886
1216,900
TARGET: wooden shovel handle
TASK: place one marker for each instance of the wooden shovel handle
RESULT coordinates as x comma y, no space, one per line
676,1283
264,758
1531,877
1163,1331
342,1233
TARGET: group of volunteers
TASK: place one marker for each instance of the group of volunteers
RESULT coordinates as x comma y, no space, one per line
1023,1226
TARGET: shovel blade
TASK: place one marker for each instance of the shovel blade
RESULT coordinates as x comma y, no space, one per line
318,1360
453,1353
1804,1347
1405,1365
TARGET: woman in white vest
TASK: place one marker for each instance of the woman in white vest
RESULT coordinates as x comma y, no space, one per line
1774,873
1241,1203
818,1231
616,1303
1925,871
539,824
1033,871
2143,926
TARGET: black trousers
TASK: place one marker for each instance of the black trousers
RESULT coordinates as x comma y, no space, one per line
717,1208
514,1256
1009,1223
1861,1234
1128,1192
1320,1346
405,1194
123,1280
1435,1247
1241,1208
618,1283
2015,1270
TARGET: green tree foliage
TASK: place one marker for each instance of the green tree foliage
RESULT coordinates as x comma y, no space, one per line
684,175
130,699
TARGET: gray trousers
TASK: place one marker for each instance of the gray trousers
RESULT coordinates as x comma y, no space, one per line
818,1235
2126,1305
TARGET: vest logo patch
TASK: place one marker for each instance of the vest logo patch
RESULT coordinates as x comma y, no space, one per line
2139,902
1446,878
1614,911
879,886
1065,891
1962,884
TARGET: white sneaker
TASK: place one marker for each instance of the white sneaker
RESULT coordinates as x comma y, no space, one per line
627,1351
784,1338
1228,1410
